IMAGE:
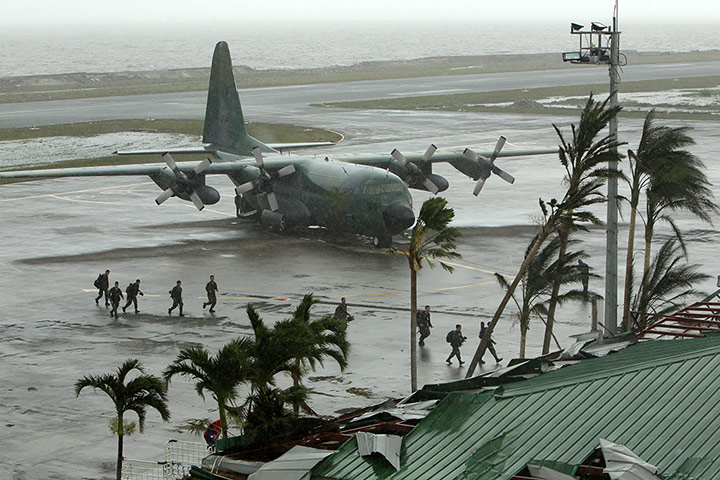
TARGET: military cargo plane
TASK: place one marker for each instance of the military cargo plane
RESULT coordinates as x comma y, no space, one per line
365,195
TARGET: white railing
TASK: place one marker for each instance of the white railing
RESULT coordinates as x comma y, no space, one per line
179,457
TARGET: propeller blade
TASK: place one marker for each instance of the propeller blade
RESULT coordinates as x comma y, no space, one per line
287,170
431,186
498,146
258,157
164,196
272,201
202,166
399,157
479,186
504,175
429,152
170,162
244,188
196,200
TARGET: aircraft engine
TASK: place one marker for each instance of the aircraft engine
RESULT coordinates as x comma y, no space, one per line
479,168
188,186
420,177
262,184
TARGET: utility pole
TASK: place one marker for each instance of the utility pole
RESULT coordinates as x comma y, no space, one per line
601,45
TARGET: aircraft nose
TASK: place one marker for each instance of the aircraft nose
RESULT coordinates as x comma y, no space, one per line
398,216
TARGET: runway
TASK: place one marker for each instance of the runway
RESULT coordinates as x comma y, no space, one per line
57,235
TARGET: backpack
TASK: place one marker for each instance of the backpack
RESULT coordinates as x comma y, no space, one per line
97,281
449,336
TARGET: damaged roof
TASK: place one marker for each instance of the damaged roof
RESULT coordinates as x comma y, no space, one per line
661,399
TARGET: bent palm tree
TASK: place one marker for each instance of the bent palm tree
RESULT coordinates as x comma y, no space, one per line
136,395
432,237
584,159
669,282
537,284
572,210
220,374
660,149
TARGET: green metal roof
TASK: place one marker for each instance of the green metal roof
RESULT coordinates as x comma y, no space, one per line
661,399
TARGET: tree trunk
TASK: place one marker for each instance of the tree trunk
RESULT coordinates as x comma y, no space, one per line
413,328
626,320
296,383
646,269
508,295
223,419
118,469
523,338
550,322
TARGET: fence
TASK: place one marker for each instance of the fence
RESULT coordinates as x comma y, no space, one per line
179,457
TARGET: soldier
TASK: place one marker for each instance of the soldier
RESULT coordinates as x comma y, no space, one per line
132,291
424,324
176,294
342,313
490,347
211,288
115,295
102,283
456,338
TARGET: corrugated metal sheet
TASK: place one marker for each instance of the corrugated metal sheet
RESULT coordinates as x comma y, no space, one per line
661,399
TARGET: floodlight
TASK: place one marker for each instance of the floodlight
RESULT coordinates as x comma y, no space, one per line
571,56
574,27
598,27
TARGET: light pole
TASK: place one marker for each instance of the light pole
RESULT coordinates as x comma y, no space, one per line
601,46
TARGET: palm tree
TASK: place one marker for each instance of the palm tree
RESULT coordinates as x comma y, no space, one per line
221,375
668,283
537,284
310,341
571,211
660,148
432,237
271,352
584,159
678,185
136,395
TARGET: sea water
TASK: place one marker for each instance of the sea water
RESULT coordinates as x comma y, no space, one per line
113,48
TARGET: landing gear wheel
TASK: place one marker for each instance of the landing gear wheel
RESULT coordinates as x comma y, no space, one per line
382,242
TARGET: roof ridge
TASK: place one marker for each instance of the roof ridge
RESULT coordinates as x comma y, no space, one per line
547,381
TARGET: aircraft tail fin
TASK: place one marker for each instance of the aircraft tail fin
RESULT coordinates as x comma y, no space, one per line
224,122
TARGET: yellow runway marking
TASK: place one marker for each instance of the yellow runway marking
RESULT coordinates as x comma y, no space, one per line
466,286
366,294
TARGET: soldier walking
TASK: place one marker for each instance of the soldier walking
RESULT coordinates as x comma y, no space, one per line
424,324
102,283
211,288
132,291
341,311
115,295
176,294
490,347
456,339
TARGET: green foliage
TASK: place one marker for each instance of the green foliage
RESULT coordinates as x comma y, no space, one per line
667,284
128,427
136,395
432,236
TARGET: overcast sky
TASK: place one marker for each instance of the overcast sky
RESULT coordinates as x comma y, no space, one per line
70,12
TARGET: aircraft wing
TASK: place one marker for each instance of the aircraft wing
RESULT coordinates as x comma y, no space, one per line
294,146
416,169
235,168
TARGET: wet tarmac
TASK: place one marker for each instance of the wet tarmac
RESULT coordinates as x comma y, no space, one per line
57,235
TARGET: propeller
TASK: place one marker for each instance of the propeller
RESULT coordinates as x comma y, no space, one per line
183,182
488,166
263,183
414,171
